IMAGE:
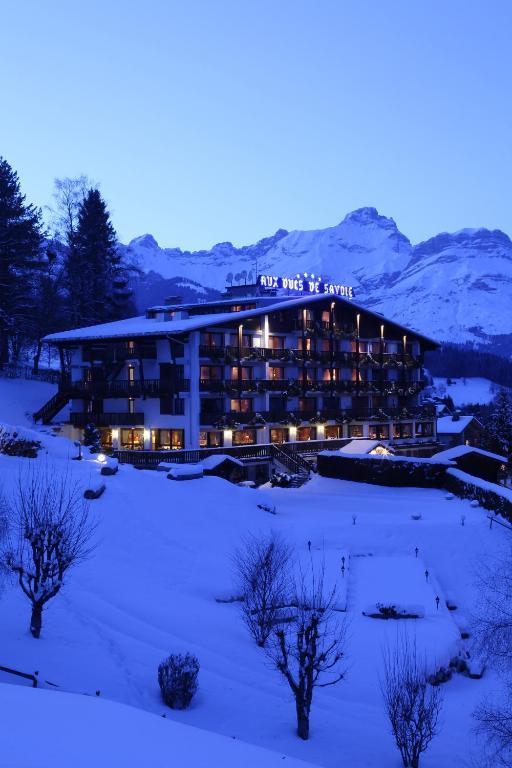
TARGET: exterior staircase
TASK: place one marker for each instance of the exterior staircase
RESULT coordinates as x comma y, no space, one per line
52,407
284,458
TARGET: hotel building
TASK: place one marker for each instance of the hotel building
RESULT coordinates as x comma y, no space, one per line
249,369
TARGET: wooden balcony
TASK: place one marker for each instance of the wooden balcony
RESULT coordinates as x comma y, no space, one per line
124,388
230,419
119,352
107,419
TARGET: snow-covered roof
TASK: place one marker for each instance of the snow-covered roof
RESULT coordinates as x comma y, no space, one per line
447,425
140,326
360,446
462,450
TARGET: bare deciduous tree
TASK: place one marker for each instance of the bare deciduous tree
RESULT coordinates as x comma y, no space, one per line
493,631
261,567
308,650
52,531
412,704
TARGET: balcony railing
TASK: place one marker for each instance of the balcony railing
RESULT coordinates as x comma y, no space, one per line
229,419
107,419
294,387
125,388
351,359
120,352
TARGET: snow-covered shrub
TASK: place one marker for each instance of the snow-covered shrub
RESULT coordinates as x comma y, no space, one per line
281,480
383,470
488,495
11,444
177,678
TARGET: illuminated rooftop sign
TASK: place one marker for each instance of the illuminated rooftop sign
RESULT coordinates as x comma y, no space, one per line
306,283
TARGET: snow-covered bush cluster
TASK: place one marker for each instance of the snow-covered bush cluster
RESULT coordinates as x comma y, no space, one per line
14,444
489,495
281,480
383,470
177,678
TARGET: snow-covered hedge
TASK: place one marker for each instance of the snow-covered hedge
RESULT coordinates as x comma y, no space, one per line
490,495
383,469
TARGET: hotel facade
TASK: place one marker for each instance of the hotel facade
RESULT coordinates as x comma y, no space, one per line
249,369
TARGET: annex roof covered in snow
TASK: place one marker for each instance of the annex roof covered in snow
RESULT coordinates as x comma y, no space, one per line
141,326
463,450
447,425
361,446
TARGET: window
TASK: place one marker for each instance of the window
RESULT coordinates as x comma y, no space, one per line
132,439
335,374
275,373
241,405
325,345
106,438
276,342
279,435
307,404
211,439
331,403
244,437
333,432
212,405
306,433
211,372
304,343
212,339
355,430
246,340
168,439
326,316
276,405
245,371
378,431
402,431
172,406
424,429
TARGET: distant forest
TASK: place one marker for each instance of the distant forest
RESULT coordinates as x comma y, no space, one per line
456,361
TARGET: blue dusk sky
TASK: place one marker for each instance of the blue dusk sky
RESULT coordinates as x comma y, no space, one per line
216,120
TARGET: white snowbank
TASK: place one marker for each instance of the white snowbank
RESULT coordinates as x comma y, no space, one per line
82,731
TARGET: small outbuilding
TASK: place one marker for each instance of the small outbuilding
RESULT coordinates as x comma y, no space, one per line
475,461
459,430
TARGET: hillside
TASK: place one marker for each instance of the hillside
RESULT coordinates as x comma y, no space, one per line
163,557
454,287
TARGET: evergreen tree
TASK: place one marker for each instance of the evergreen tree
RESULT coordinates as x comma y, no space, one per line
92,438
20,241
48,312
96,277
499,425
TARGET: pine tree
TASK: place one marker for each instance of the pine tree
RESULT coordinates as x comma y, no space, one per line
20,241
96,277
92,438
499,425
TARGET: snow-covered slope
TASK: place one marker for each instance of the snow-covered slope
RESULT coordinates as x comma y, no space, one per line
151,587
454,287
122,737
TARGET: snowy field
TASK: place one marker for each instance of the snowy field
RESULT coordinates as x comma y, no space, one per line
163,557
467,391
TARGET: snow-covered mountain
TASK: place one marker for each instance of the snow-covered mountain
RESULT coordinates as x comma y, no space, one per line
454,287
